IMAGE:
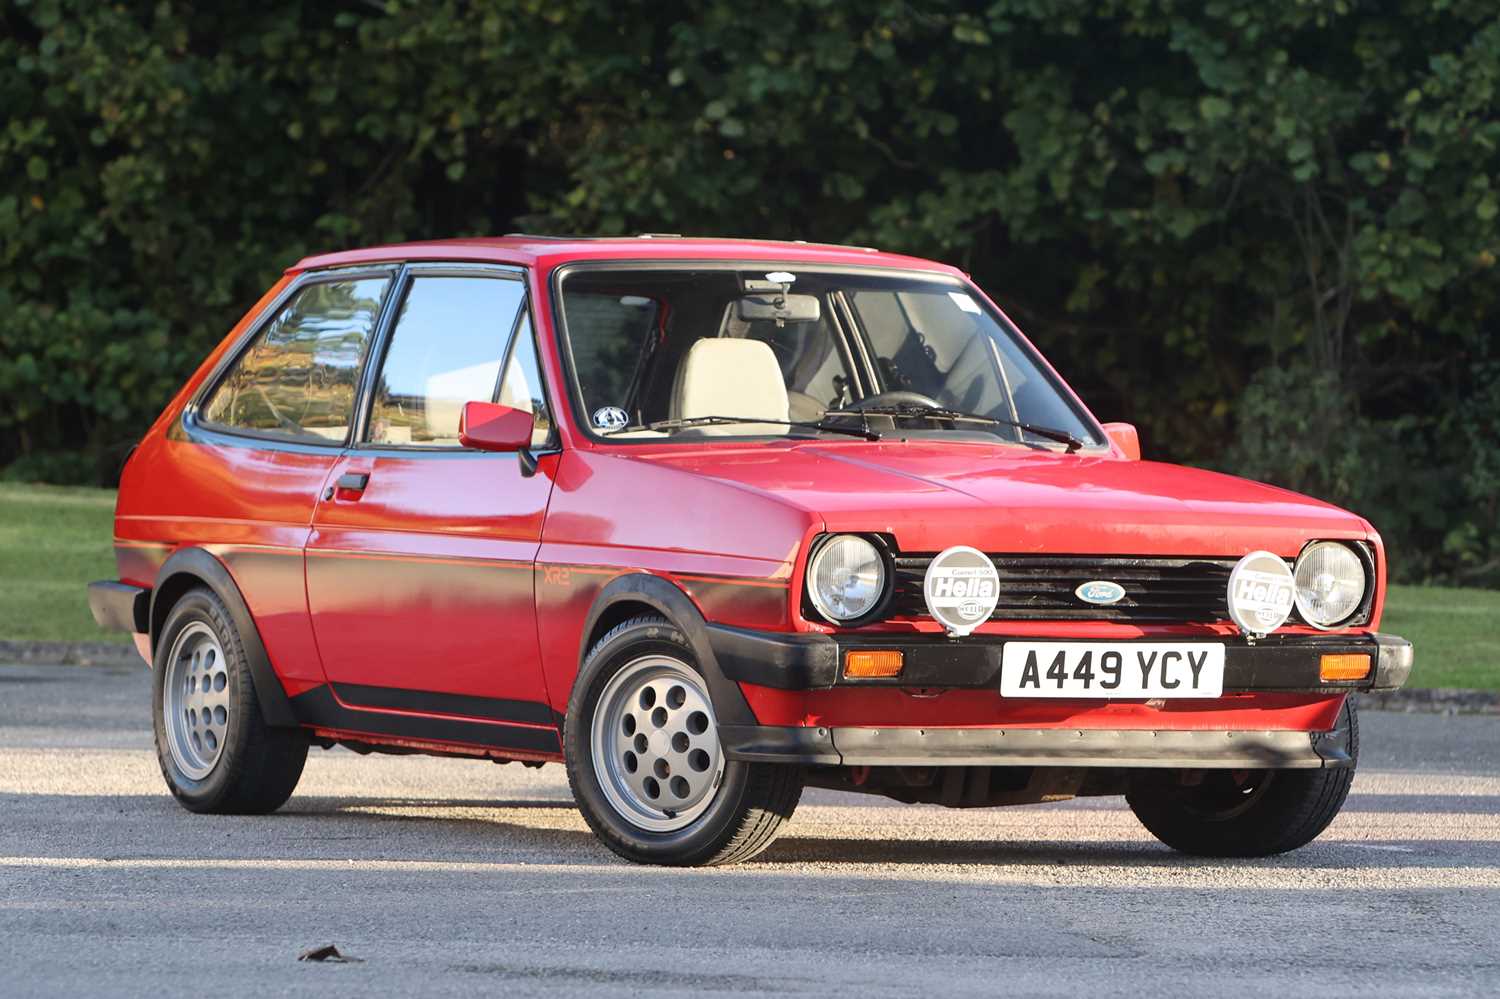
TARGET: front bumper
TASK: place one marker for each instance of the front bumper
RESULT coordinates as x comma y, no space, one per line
1284,664
1037,747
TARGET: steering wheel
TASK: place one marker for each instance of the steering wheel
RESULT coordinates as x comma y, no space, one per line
896,397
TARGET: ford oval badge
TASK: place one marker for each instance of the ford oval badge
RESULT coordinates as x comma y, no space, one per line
1100,591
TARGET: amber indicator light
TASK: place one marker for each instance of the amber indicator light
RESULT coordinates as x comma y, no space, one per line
1348,666
867,664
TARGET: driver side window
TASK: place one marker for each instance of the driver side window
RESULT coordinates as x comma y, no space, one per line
299,378
446,349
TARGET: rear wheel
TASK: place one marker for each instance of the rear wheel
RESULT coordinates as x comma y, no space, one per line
1245,813
645,763
216,752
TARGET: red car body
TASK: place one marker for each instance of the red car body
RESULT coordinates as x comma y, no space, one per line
443,602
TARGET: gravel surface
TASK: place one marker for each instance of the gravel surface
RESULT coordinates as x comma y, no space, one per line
448,877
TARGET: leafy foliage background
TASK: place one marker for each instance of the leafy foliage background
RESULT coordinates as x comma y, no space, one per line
1263,230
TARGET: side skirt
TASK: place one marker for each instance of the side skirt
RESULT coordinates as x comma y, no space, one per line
415,719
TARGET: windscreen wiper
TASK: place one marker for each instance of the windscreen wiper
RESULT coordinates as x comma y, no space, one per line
719,421
958,416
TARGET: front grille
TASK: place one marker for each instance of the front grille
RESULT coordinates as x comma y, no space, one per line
1040,587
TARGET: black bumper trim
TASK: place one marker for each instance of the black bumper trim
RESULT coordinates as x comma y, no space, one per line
779,744
120,607
811,661
1021,747
772,659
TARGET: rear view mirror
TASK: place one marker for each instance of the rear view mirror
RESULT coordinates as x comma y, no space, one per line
1124,437
488,426
780,307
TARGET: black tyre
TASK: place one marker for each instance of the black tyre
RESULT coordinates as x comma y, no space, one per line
216,752
644,759
1245,813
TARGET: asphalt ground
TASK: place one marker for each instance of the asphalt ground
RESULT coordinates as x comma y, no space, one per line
452,877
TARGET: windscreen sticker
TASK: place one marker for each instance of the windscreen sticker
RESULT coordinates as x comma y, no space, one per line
964,302
610,418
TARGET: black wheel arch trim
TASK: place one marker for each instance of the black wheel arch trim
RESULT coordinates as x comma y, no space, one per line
672,603
275,707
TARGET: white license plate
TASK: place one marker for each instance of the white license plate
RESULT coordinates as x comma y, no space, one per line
1112,669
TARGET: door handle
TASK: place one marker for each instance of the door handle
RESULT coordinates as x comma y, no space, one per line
351,485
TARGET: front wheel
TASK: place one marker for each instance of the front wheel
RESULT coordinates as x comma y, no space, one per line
1245,813
645,763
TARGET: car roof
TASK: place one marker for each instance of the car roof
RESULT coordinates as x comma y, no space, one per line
546,252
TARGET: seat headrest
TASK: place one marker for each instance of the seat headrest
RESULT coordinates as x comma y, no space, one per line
730,377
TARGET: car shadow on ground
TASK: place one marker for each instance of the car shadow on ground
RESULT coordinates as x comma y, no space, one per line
433,829
1330,854
323,803
1434,804
418,829
461,829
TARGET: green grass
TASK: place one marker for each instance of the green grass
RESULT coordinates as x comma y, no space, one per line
53,541
1455,632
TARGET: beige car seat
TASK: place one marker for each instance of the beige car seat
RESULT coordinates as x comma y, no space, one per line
728,377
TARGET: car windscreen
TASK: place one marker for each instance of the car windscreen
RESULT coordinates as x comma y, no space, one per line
776,351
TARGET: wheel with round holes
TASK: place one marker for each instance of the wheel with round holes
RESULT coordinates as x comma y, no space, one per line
1245,813
645,763
216,752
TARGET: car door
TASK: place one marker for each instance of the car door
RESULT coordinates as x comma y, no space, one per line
251,454
419,565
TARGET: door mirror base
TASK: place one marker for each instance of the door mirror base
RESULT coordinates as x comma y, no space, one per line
1124,437
527,458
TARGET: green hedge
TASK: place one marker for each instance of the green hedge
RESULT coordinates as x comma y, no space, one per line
1264,231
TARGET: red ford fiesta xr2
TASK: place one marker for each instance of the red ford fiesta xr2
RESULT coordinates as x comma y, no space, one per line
712,520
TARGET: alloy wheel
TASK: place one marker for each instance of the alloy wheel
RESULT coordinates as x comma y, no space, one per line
195,695
655,744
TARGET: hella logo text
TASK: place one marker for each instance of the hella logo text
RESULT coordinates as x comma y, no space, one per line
948,586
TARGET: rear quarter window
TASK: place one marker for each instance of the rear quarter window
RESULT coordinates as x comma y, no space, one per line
300,375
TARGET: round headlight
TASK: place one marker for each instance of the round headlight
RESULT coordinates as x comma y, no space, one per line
846,578
1330,583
